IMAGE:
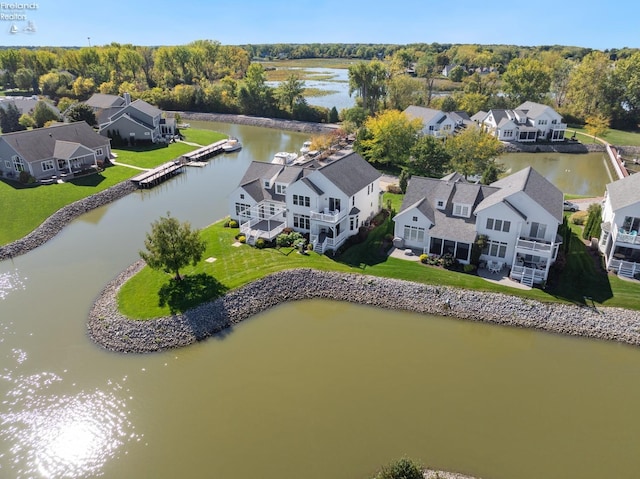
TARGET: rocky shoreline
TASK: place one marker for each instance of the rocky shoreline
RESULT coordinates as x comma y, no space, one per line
278,123
107,327
54,223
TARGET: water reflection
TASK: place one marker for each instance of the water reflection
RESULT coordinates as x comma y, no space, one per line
11,281
59,435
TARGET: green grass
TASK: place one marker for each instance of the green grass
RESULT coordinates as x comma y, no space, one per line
314,92
152,157
202,137
141,297
615,137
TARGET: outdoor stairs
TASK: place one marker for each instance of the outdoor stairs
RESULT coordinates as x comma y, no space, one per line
251,239
527,278
626,270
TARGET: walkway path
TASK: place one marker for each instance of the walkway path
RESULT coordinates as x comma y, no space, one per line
117,163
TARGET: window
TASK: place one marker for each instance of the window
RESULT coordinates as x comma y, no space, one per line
281,189
267,184
240,209
537,230
300,200
436,246
413,233
440,204
334,204
353,201
507,133
495,249
542,122
18,164
301,222
62,164
631,224
242,196
47,165
462,251
461,210
446,127
415,218
7,164
99,151
498,225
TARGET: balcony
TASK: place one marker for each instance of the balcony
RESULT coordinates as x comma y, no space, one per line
328,216
631,237
537,246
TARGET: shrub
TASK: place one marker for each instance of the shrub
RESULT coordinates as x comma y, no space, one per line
310,247
395,189
447,260
388,238
401,469
424,258
226,223
288,239
25,177
579,218
242,239
469,268
260,243
233,224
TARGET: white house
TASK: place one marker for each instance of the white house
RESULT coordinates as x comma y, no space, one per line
328,198
518,216
529,122
619,240
435,122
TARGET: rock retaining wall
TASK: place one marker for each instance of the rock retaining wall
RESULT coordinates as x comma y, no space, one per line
566,147
109,328
52,225
280,124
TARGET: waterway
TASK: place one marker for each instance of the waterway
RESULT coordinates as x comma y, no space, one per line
310,389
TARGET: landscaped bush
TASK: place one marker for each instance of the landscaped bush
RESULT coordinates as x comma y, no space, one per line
395,189
226,223
25,177
242,239
233,224
579,218
424,258
310,247
469,268
288,239
260,243
447,260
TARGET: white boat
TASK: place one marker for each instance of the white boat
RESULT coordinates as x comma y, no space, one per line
232,144
284,158
306,146
182,126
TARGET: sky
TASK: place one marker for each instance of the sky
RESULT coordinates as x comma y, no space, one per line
588,23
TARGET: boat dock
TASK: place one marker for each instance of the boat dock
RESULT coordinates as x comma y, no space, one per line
205,152
157,175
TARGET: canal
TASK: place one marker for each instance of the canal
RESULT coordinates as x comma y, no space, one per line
310,389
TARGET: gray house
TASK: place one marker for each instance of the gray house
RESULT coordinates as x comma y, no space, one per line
131,120
60,151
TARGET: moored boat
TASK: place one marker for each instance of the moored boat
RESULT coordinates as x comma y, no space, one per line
284,158
232,144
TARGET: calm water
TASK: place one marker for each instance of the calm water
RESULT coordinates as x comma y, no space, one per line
309,389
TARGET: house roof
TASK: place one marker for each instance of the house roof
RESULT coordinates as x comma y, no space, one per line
536,186
480,116
533,109
102,100
258,170
40,143
145,107
65,150
349,173
426,115
624,192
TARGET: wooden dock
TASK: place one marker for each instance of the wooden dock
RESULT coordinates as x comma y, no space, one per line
205,152
157,175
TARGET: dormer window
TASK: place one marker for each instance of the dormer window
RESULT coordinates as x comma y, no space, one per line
461,210
281,189
267,184
440,204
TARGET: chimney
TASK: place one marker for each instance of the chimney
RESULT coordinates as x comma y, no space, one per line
127,98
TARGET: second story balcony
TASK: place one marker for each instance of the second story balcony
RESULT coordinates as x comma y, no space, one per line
537,246
328,216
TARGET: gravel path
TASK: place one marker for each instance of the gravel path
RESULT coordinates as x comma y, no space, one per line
107,327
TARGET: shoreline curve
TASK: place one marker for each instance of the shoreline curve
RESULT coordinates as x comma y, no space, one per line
111,330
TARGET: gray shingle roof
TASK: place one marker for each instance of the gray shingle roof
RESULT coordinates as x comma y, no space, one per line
40,143
145,107
69,149
533,109
424,114
259,170
624,192
102,100
350,173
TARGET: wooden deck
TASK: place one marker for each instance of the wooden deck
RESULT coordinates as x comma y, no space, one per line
157,175
205,152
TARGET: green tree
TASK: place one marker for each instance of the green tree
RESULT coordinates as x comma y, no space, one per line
588,83
427,67
401,469
81,112
25,79
457,73
402,91
625,90
290,92
592,228
172,245
42,113
388,138
428,157
472,151
526,79
368,80
26,121
10,118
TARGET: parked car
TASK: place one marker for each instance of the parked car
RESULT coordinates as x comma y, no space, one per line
569,206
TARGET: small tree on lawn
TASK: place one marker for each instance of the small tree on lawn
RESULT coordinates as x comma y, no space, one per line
171,245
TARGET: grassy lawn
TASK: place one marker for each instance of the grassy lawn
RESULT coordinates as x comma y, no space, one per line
202,137
615,137
151,157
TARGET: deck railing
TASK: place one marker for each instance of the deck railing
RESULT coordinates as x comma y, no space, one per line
533,245
328,216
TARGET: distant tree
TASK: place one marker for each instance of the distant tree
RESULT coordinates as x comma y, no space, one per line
356,115
588,84
428,157
401,469
457,73
25,79
290,92
172,245
597,125
10,118
526,79
448,104
472,103
333,115
472,151
27,121
389,137
81,112
42,113
368,80
403,91
427,67
491,173
64,103
403,179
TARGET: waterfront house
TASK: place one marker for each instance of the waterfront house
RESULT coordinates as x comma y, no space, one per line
328,198
132,121
527,123
435,122
26,104
619,241
517,218
62,150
